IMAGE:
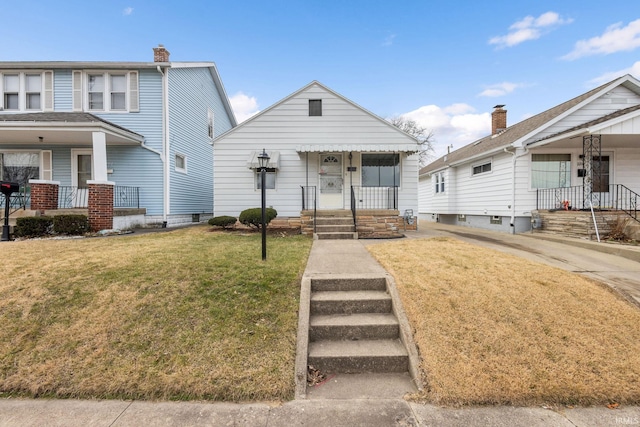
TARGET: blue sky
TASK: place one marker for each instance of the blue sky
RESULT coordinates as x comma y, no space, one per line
443,63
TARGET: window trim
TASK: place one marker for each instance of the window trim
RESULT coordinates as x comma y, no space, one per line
107,91
175,163
481,165
44,169
440,187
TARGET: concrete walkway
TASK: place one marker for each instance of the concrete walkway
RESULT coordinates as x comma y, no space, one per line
332,257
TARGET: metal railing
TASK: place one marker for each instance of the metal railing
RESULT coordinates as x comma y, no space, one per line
126,197
309,201
616,197
17,201
374,197
72,197
353,208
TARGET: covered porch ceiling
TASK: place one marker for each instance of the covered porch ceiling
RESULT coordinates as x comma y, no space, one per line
62,128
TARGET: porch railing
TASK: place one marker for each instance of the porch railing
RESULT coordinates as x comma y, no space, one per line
17,201
613,197
354,208
309,201
73,197
126,197
78,197
375,197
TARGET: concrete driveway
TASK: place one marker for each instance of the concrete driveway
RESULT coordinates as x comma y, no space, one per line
611,263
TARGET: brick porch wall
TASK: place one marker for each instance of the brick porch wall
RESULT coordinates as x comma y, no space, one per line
100,206
44,196
369,222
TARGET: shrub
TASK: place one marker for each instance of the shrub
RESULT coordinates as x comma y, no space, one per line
224,221
70,224
33,226
253,217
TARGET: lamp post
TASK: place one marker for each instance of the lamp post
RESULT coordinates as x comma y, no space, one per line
263,161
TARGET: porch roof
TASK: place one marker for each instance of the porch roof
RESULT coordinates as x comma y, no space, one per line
362,148
62,128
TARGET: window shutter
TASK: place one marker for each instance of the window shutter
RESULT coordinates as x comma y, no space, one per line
77,91
134,97
46,164
48,91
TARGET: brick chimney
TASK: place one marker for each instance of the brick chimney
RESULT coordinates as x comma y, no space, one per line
498,120
160,54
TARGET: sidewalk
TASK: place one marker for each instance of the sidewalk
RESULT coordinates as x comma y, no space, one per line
330,257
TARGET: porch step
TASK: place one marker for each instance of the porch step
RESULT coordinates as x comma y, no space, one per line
361,326
336,236
359,356
349,302
341,228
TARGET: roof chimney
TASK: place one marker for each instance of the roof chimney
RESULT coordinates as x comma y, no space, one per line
498,120
160,54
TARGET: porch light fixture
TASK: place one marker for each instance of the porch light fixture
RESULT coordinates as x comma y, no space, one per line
263,161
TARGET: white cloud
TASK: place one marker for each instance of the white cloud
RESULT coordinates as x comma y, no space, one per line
388,41
244,106
127,11
456,124
634,70
500,89
616,38
529,28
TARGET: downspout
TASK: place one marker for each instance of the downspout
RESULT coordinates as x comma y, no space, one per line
165,145
513,184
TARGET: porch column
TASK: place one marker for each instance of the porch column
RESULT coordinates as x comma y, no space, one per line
44,194
100,205
99,156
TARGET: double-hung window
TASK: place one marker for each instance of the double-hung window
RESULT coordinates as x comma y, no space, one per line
270,179
118,88
96,91
33,88
11,89
439,177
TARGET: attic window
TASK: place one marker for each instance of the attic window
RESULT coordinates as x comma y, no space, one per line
482,168
315,107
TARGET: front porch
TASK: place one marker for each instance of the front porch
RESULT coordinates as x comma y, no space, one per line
581,212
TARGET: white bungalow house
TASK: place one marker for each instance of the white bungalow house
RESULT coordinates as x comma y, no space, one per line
327,154
584,152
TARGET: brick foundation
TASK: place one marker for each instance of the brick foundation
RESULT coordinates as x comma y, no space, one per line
100,206
44,196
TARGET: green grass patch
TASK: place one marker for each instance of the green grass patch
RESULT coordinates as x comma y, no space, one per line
186,314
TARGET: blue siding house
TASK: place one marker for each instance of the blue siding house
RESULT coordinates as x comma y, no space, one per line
142,129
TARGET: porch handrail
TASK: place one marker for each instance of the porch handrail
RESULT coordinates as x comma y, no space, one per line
19,200
70,197
616,197
353,208
309,201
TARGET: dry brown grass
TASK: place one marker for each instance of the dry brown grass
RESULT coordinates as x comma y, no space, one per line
186,314
496,329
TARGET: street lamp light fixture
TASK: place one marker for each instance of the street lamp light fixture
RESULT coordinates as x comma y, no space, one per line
263,161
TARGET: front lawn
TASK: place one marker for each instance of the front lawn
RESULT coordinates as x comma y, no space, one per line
184,314
496,329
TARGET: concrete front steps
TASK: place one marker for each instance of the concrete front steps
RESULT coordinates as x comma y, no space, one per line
353,329
335,225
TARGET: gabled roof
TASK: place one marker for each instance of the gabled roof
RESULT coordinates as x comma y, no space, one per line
336,94
526,128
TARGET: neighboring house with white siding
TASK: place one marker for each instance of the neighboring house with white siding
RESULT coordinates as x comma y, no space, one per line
141,131
323,148
584,152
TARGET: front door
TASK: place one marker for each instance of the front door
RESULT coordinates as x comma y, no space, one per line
81,172
601,168
331,185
